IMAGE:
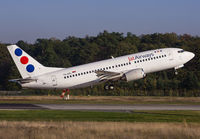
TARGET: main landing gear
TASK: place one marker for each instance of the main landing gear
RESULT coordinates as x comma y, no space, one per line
109,87
63,94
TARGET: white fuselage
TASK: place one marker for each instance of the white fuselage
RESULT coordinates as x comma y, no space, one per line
85,75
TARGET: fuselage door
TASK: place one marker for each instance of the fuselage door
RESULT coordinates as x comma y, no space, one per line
54,80
170,54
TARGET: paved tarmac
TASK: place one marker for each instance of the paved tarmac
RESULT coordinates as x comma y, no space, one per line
19,107
100,107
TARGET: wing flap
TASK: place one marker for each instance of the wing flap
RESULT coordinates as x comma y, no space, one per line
108,75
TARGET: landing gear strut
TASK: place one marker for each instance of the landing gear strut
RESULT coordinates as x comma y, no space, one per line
63,94
176,72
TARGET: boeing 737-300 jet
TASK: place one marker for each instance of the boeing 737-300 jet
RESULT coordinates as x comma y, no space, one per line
127,68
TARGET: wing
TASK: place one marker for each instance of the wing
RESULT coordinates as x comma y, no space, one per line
107,75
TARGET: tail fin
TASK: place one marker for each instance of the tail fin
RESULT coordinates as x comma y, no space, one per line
28,67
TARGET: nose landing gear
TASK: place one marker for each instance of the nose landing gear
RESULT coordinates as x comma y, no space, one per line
178,67
176,72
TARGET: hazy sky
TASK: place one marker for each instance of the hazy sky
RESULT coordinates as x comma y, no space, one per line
31,19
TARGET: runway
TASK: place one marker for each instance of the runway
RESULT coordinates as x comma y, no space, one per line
19,107
98,107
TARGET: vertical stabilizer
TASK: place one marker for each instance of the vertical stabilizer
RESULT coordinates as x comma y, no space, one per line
28,67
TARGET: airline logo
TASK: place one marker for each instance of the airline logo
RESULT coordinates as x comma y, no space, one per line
140,56
157,51
24,60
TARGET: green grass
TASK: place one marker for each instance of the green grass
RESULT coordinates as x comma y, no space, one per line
136,116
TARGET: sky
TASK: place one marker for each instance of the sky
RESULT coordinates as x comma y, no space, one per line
28,20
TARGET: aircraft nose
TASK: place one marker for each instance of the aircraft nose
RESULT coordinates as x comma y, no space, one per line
190,55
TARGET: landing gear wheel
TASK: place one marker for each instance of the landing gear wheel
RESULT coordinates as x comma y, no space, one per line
111,87
106,87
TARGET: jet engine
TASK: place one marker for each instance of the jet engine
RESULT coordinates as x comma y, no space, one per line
134,75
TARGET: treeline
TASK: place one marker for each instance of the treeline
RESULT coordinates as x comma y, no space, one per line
75,51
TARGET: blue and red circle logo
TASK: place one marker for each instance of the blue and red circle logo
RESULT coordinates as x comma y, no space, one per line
24,60
18,52
30,68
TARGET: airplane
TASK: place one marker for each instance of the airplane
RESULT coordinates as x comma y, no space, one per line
126,68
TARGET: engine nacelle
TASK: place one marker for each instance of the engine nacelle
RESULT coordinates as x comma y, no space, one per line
134,75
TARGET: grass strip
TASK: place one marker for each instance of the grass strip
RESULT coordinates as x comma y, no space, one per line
135,116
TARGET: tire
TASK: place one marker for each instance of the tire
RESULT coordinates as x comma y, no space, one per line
111,87
106,87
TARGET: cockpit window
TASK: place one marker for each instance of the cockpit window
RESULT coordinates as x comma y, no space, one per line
180,51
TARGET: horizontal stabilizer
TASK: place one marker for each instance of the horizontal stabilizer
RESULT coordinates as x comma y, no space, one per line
21,81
